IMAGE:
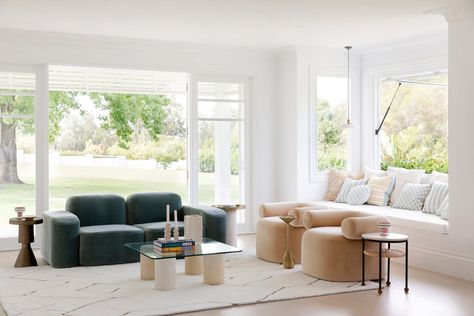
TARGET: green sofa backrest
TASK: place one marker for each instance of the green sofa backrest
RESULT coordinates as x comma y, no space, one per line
151,207
98,209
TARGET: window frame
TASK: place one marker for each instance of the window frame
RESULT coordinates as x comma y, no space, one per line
353,140
372,150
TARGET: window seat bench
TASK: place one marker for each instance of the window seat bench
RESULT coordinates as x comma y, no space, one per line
398,217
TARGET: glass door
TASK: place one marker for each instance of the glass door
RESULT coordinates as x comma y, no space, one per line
17,149
220,144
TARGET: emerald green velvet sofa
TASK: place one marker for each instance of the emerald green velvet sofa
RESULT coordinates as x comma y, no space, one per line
94,228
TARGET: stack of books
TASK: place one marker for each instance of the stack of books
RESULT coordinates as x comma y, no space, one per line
180,245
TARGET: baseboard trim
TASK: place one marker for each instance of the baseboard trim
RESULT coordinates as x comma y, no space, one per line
442,262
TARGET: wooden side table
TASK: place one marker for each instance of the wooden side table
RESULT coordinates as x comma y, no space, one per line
231,210
385,253
26,257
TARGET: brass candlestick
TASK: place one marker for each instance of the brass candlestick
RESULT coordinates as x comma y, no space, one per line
288,260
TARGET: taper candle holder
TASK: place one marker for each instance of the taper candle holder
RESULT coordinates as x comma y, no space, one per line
167,232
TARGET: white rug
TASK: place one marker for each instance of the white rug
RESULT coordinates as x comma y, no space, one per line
118,290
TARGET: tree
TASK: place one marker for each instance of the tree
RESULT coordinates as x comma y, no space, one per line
125,112
14,105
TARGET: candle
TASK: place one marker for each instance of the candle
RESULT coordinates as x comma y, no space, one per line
175,218
167,213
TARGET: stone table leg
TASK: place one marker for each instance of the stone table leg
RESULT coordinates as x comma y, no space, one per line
147,271
165,274
231,237
193,265
213,269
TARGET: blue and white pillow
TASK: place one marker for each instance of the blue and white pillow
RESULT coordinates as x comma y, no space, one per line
347,187
359,195
412,196
438,192
444,208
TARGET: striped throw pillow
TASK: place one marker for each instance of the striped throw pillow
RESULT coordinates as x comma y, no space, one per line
438,193
380,190
347,187
444,208
412,196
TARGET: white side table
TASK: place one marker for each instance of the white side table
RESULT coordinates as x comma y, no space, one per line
231,210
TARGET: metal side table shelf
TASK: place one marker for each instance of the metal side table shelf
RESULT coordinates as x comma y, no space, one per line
385,253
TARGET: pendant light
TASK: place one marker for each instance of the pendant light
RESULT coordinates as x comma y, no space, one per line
348,124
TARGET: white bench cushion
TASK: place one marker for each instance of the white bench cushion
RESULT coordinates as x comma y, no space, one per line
398,217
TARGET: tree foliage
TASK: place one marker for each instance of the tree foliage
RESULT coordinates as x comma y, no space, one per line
415,133
123,112
331,141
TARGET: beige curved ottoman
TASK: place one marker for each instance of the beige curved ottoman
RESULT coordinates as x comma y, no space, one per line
328,255
271,239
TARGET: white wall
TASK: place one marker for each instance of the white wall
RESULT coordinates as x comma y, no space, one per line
22,47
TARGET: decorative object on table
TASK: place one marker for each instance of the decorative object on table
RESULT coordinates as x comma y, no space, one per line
384,227
385,253
176,229
19,211
167,225
231,210
26,257
193,231
288,261
179,245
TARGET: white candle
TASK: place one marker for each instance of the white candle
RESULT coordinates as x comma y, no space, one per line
167,213
175,218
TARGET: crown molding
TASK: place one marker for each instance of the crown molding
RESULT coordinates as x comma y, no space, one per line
461,10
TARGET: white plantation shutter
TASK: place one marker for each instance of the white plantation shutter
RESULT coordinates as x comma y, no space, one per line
85,79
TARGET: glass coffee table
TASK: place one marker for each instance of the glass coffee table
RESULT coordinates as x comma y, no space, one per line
161,266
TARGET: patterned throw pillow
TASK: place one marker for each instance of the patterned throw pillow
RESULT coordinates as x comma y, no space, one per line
359,195
347,187
412,196
403,176
438,193
380,189
443,210
335,180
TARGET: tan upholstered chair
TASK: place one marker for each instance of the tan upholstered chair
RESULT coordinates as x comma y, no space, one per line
271,230
331,248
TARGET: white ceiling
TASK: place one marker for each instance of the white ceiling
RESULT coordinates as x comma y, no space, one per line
251,23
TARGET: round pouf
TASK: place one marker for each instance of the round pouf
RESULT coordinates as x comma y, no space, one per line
326,254
271,239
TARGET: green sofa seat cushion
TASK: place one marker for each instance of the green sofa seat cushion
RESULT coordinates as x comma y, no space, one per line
156,230
105,244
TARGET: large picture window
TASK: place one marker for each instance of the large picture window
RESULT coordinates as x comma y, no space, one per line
415,132
116,131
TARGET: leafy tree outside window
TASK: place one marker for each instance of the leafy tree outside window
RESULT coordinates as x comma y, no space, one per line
332,139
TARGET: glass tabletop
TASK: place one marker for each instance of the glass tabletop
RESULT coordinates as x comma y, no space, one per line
207,247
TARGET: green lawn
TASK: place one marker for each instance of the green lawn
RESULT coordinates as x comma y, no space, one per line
69,180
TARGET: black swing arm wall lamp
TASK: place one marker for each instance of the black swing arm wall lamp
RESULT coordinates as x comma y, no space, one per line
388,109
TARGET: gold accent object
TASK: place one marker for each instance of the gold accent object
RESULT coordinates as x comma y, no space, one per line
288,260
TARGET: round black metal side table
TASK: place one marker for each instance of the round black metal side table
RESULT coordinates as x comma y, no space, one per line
385,253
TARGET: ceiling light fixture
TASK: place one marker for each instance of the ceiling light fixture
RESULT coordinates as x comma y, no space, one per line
348,124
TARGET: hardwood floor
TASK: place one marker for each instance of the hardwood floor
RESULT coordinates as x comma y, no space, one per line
430,294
